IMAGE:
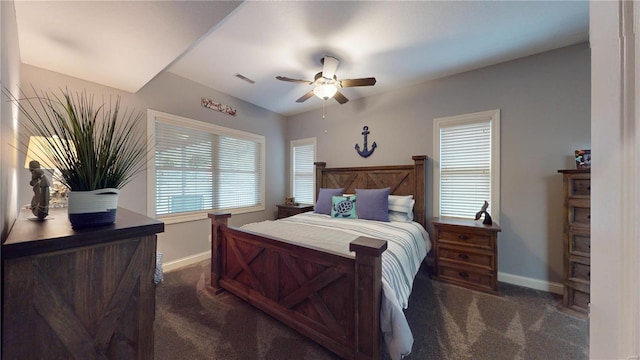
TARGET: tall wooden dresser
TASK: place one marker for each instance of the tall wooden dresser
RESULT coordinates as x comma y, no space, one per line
79,294
577,239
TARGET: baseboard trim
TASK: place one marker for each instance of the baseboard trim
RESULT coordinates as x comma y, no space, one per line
532,283
186,261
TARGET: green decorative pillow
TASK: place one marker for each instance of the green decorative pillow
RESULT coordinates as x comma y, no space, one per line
343,207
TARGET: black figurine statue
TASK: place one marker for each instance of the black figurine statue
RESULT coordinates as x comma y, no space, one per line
40,200
487,217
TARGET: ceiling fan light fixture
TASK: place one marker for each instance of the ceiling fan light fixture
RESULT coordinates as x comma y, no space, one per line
325,91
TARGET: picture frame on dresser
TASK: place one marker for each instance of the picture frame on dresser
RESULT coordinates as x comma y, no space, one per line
583,159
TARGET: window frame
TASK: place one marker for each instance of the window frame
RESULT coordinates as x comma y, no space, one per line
292,145
175,120
494,117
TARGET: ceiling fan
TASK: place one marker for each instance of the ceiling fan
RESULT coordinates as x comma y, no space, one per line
327,84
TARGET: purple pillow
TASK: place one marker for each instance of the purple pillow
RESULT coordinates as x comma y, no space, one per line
323,203
373,204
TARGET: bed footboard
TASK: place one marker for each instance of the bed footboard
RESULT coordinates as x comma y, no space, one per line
331,298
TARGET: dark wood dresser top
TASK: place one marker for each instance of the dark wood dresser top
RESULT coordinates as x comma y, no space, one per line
32,237
477,224
575,171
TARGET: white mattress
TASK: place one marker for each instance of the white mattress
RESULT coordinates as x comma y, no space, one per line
407,246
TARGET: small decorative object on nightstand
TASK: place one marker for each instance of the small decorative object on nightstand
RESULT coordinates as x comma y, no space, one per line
285,210
487,217
466,253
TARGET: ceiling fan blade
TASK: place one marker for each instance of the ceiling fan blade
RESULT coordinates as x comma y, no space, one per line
358,82
329,66
305,97
284,78
340,98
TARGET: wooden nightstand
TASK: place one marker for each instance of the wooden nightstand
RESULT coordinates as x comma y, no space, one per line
290,210
466,253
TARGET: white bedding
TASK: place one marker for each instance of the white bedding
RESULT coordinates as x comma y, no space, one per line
408,244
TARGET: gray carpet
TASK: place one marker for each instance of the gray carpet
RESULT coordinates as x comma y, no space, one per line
448,322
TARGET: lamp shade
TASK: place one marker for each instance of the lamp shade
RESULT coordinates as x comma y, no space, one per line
325,91
40,149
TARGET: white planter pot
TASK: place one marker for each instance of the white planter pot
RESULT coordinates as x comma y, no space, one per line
93,208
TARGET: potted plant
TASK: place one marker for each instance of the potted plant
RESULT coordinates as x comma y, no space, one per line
96,148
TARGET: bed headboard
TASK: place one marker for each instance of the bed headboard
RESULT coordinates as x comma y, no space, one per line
402,179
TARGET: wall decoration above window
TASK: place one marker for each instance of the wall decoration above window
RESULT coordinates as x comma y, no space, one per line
365,152
210,104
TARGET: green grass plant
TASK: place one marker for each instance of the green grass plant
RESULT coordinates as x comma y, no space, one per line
94,145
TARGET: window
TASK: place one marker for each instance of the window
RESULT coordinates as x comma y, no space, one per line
467,164
302,170
198,167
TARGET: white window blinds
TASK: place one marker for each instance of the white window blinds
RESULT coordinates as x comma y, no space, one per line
200,167
467,172
184,172
237,172
303,180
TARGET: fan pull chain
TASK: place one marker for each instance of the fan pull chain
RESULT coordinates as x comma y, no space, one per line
324,102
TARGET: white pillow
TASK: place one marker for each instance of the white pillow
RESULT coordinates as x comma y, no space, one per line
401,208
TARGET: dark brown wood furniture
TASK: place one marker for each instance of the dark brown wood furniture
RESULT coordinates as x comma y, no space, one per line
290,210
576,195
330,298
466,253
79,294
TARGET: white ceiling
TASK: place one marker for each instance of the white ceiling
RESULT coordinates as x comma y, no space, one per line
125,44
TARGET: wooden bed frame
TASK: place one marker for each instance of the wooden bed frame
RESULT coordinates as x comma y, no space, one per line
330,298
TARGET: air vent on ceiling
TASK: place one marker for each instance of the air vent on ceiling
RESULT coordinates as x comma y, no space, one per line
242,77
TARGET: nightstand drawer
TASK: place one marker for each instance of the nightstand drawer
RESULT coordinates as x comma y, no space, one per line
290,210
465,276
282,213
465,238
463,255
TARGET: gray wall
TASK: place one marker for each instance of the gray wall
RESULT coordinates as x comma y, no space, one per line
545,115
175,95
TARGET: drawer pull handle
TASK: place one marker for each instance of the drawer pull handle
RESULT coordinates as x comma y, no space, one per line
462,237
463,274
589,274
589,188
463,256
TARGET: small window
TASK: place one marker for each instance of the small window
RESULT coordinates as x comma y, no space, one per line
198,167
467,164
302,170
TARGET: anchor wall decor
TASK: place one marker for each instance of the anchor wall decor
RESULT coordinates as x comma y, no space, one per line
365,152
